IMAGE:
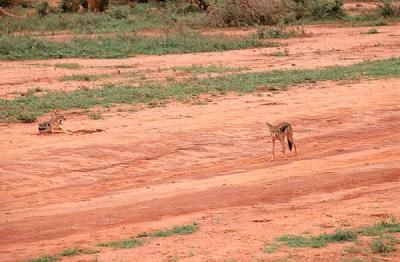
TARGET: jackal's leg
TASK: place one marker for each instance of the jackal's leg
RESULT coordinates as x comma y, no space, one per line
273,148
282,140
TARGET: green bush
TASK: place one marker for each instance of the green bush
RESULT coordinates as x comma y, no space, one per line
42,8
387,8
69,5
245,12
324,9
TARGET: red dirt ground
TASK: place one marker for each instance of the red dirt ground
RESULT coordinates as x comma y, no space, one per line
209,163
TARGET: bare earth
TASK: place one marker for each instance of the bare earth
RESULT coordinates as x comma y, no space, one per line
209,163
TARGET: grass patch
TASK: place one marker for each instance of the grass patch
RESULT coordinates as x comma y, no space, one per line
372,31
279,31
95,116
43,259
83,77
25,47
317,241
271,248
140,238
54,258
391,226
154,91
382,246
210,69
176,230
126,243
353,260
68,65
280,53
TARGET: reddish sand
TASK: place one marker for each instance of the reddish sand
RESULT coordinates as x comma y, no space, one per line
209,163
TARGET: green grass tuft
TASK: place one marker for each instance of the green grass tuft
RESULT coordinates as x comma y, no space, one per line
317,241
83,77
271,248
382,245
69,252
391,226
126,243
210,69
44,259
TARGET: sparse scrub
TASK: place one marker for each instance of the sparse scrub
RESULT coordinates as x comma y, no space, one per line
372,31
245,12
26,117
22,47
317,241
382,245
44,259
324,9
210,68
42,8
240,82
379,228
387,8
271,248
126,243
279,31
67,65
83,77
280,53
95,116
140,238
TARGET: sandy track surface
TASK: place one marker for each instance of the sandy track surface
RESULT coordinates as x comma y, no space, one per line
206,163
326,46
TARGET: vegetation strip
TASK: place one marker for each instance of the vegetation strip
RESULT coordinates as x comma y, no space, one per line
139,239
133,241
383,242
25,47
27,108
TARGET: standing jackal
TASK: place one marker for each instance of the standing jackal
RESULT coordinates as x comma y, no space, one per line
279,132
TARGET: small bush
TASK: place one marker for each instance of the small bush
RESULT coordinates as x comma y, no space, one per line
69,5
245,12
387,8
324,9
42,8
6,3
119,13
382,246
278,31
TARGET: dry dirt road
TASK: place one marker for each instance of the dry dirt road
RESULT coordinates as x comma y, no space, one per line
210,164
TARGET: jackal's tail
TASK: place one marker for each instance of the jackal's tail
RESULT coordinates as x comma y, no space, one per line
290,137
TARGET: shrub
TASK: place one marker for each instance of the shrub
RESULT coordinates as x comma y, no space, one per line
69,5
6,3
42,8
324,9
245,12
387,8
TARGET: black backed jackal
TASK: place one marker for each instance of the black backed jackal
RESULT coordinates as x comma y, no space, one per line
279,132
54,124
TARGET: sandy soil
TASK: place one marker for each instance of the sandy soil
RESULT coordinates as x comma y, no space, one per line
210,163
